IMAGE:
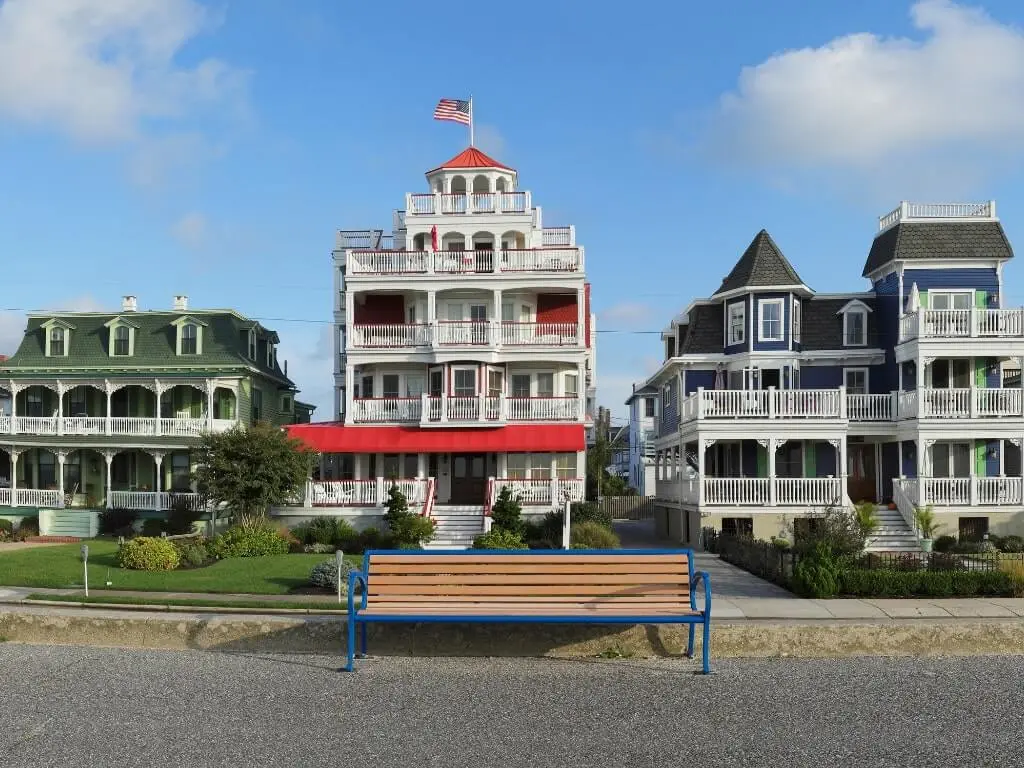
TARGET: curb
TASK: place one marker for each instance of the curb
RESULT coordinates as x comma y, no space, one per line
226,630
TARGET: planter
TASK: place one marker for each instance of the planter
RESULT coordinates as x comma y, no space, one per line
926,545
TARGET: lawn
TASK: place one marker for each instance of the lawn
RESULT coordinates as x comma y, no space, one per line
253,605
61,566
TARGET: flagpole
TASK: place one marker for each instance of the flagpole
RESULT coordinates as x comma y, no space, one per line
471,120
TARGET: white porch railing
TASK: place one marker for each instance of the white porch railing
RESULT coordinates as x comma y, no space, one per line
183,427
735,490
133,425
362,493
127,426
543,408
456,262
541,260
390,335
5,497
540,334
808,491
905,494
962,323
387,262
84,425
449,203
764,404
869,407
963,403
461,333
560,258
997,491
37,497
383,410
945,491
548,492
155,501
35,425
479,409
558,236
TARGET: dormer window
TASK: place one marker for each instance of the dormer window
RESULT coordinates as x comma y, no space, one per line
189,339
122,341
56,344
271,355
855,323
252,344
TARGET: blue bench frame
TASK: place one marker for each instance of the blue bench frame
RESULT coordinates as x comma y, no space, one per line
356,578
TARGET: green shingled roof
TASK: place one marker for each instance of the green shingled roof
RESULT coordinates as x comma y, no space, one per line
224,344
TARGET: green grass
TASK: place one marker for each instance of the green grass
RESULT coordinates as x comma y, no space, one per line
255,605
61,566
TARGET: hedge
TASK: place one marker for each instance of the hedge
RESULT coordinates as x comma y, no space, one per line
886,583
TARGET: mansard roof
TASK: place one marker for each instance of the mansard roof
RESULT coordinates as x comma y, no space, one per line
910,240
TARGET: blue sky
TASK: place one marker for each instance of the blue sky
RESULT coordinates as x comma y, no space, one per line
157,147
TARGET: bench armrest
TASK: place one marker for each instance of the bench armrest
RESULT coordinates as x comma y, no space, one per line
701,576
355,578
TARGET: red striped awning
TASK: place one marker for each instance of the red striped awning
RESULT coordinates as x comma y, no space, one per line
519,438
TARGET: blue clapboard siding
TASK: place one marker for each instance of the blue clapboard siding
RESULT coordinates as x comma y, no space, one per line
695,379
887,322
909,376
766,346
824,460
820,376
992,461
670,408
993,378
745,345
908,458
881,380
977,278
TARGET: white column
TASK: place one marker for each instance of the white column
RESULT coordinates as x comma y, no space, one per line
14,476
60,412
61,457
158,460
556,500
209,405
349,391
772,491
110,459
110,394
581,315
159,400
700,472
496,319
843,471
921,447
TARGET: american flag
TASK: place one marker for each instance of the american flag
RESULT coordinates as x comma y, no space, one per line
455,110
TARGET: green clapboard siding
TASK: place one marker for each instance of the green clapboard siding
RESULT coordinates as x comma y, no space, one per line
762,461
810,459
979,458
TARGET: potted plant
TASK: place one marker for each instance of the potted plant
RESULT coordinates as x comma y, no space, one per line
924,518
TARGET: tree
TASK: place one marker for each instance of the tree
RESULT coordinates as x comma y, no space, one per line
410,530
506,512
252,469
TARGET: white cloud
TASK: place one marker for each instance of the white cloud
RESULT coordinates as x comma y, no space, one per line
941,110
627,314
105,72
13,324
191,229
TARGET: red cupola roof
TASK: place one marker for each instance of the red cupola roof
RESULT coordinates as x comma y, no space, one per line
471,158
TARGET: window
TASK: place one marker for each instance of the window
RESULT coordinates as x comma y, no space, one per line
436,382
271,355
495,383
789,460
181,472
517,466
389,385
413,385
189,342
520,385
76,402
286,404
738,526
855,328
257,405
856,381
47,469
951,299
972,528
545,385
57,347
649,407
572,385
565,465
540,466
737,323
122,337
796,319
252,345
392,466
366,387
34,402
464,382
771,319
410,465
951,460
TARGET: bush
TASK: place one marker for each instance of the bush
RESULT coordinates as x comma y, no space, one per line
254,540
319,549
1012,544
6,529
817,573
592,535
28,527
346,538
885,583
499,538
321,531
409,530
372,538
180,519
325,574
148,554
946,561
507,512
589,512
152,527
192,552
118,522
944,543
835,529
780,543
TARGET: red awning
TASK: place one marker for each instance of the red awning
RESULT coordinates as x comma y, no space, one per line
521,438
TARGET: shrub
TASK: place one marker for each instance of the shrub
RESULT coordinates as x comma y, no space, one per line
1011,544
409,530
589,512
944,543
325,574
372,538
866,515
180,519
118,522
835,529
817,573
346,538
192,552
946,561
780,543
885,583
506,512
152,527
28,527
321,531
319,549
499,538
146,553
254,540
6,529
300,532
592,535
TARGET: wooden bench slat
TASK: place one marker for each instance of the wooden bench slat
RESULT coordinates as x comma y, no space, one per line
526,558
538,589
531,579
667,566
533,611
516,608
512,599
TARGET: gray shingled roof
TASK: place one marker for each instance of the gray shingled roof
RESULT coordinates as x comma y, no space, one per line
822,328
703,331
939,240
761,265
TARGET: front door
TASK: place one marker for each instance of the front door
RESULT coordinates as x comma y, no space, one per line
469,478
860,483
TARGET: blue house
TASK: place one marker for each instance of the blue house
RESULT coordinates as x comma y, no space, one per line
777,402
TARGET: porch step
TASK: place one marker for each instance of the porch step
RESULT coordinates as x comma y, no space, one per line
68,523
893,534
456,531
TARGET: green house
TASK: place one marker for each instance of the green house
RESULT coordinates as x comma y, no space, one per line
101,409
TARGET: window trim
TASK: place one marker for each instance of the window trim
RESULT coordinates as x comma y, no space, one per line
761,305
969,292
846,328
796,319
114,329
63,341
742,315
180,324
857,369
476,380
181,339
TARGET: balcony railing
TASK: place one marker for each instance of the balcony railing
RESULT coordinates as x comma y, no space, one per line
462,409
962,323
558,236
543,408
817,492
540,334
473,408
869,407
453,203
464,333
36,497
763,404
391,335
127,426
962,491
963,403
153,501
559,259
387,410
546,492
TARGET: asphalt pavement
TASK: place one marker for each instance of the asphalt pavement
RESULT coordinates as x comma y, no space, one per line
108,707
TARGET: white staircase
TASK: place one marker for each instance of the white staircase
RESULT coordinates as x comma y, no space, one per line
893,534
81,524
457,526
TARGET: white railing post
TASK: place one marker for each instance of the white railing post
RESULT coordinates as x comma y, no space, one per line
842,402
973,321
700,403
481,407
307,498
973,396
920,323
380,494
973,485
772,403
566,525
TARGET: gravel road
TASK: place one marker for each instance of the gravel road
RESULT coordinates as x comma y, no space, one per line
106,707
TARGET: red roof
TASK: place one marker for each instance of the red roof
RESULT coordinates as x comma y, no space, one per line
337,438
471,158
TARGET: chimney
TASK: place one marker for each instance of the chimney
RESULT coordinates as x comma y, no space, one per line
129,304
285,367
181,303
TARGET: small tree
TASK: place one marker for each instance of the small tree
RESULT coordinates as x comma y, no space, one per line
409,530
252,469
836,531
506,512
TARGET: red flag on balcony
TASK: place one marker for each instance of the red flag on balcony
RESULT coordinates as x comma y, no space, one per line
433,238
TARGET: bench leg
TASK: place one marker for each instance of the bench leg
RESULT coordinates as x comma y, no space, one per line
689,644
362,640
706,649
351,649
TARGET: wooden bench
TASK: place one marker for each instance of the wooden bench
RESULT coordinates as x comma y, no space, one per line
573,586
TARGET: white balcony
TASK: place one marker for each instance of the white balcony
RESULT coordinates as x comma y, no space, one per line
391,335
763,404
387,410
122,426
964,491
513,261
962,324
466,410
813,492
362,493
153,501
540,334
464,333
539,492
962,403
471,409
869,407
455,203
558,236
543,408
